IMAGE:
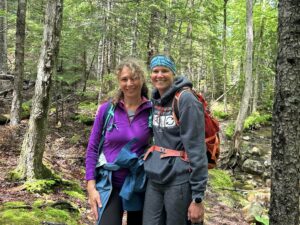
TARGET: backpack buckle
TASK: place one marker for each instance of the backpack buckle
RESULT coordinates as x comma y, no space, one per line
162,150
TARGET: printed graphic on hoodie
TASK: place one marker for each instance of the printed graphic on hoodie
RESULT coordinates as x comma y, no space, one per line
163,118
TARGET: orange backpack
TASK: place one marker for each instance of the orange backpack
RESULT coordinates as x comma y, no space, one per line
212,127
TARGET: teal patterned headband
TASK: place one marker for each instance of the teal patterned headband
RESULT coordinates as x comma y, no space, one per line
161,60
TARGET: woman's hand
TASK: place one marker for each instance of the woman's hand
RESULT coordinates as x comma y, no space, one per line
196,212
94,197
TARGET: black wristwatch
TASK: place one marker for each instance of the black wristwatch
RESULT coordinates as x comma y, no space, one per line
197,200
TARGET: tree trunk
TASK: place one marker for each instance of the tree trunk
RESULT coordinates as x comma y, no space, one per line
3,36
15,112
134,35
30,163
285,176
170,24
258,60
224,54
248,80
154,34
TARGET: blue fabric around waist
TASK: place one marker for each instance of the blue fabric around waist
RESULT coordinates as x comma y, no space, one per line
132,191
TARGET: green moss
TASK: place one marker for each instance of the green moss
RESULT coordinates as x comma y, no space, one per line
40,186
14,175
36,216
75,194
14,204
220,179
38,203
221,183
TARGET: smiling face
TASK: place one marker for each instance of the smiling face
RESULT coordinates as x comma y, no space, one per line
162,78
129,83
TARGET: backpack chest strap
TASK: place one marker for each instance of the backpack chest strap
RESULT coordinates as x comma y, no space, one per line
165,152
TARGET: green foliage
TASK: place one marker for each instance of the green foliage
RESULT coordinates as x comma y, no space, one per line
255,120
40,186
220,114
262,220
88,106
26,107
229,130
85,119
68,77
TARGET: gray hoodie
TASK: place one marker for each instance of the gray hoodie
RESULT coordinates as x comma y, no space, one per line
188,136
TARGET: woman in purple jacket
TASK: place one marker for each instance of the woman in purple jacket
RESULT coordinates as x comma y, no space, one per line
130,121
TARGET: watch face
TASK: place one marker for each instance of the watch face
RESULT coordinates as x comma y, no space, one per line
198,200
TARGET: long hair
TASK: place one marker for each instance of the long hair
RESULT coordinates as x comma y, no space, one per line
137,68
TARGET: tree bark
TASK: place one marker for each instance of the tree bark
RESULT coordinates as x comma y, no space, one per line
154,34
15,112
258,60
285,175
225,53
248,79
134,35
3,36
30,163
170,24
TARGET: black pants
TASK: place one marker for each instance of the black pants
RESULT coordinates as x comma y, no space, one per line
113,213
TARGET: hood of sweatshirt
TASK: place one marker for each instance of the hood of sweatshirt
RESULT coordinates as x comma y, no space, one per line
179,82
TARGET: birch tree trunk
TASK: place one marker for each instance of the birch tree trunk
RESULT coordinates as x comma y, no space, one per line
30,163
225,53
15,112
134,35
3,36
248,79
285,168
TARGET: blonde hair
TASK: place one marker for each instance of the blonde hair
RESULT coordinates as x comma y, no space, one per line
138,69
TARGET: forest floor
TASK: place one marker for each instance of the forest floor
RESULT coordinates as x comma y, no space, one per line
65,154
67,160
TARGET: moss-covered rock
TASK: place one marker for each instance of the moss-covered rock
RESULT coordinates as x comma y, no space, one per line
11,214
220,182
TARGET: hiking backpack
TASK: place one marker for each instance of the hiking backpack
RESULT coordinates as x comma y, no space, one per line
212,128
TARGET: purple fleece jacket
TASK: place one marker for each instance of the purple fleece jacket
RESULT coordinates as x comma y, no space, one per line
121,133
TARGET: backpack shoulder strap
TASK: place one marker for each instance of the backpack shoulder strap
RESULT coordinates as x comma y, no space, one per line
108,114
175,103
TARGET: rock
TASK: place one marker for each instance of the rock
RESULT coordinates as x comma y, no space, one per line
253,167
268,183
246,138
252,210
256,151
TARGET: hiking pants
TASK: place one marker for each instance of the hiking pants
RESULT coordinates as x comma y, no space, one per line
168,203
113,213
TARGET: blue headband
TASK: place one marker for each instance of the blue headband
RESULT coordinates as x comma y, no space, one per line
161,60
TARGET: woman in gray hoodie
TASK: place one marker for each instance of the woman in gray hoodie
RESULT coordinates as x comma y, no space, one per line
176,165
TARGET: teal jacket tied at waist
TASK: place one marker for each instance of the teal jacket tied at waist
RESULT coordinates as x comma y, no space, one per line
132,192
